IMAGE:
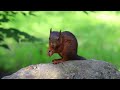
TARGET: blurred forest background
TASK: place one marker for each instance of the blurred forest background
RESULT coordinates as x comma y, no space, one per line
24,36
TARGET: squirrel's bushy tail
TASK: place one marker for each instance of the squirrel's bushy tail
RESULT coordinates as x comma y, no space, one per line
80,58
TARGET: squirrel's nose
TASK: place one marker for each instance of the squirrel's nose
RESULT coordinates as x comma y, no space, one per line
49,52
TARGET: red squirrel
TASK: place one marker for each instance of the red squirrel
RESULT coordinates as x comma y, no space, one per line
65,44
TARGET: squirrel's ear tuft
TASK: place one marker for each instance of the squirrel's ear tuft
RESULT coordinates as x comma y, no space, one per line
50,30
60,33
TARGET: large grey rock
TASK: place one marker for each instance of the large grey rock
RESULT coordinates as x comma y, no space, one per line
82,69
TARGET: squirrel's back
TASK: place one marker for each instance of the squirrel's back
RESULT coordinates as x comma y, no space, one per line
69,36
73,45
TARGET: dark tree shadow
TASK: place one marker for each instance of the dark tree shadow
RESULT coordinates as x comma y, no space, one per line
16,35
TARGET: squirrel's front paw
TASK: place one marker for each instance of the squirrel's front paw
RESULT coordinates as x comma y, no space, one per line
56,61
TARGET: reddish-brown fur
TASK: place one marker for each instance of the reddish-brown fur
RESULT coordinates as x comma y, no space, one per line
65,44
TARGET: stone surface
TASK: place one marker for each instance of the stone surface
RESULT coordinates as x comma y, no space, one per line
77,69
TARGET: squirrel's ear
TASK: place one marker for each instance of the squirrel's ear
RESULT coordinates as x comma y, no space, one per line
50,30
60,33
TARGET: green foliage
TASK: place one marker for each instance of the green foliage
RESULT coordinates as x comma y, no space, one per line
97,34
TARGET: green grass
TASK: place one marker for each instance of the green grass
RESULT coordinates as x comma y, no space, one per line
97,34
24,54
